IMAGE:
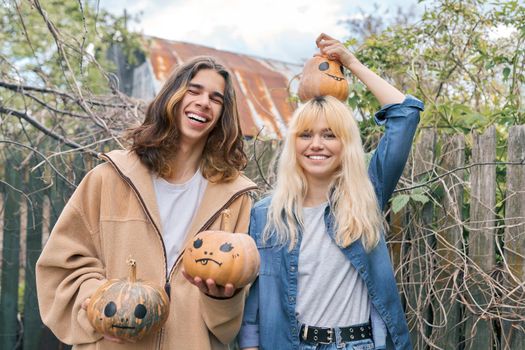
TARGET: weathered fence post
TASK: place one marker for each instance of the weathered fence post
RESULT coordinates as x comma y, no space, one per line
418,297
1,223
395,242
449,246
58,194
513,334
11,251
33,326
481,242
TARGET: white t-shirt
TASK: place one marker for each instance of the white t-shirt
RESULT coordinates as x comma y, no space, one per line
177,204
330,291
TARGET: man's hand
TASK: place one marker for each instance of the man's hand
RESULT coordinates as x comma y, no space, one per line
209,287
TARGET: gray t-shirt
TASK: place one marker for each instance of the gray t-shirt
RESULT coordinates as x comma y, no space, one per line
331,292
177,204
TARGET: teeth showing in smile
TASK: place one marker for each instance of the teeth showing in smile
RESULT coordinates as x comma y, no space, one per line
317,157
333,76
196,117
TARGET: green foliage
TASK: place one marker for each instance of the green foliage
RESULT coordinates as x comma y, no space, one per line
464,58
417,195
399,202
453,58
60,43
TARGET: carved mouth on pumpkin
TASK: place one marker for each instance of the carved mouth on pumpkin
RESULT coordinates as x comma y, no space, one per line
334,77
121,327
206,260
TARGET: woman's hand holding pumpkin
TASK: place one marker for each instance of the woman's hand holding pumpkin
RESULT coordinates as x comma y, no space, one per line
333,49
381,89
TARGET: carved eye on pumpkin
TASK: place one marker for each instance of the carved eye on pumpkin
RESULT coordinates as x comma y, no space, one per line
226,247
140,311
197,243
110,309
324,66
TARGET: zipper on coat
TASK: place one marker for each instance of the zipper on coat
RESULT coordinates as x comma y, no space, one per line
143,205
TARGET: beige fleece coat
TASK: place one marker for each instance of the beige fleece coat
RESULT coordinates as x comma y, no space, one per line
113,214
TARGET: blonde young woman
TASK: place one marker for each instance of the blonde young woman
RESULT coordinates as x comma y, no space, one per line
326,281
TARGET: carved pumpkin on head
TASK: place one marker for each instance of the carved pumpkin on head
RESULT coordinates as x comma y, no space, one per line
322,77
128,309
223,256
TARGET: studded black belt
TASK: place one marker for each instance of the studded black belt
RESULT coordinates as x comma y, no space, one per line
323,335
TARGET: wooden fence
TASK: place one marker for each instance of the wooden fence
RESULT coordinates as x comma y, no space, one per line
460,264
30,204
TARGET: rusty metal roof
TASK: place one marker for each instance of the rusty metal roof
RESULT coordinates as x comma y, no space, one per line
261,84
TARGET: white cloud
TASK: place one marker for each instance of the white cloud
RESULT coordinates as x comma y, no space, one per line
280,29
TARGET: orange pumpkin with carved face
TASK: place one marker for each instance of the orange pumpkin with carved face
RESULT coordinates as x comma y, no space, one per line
223,256
322,77
128,309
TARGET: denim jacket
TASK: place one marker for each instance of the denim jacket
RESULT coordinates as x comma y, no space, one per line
269,320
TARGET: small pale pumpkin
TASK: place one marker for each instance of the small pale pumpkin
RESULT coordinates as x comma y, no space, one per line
223,256
128,309
322,77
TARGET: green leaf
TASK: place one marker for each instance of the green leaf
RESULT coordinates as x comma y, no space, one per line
419,198
506,73
399,201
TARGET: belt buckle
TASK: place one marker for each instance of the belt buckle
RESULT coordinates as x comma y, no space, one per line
330,339
305,332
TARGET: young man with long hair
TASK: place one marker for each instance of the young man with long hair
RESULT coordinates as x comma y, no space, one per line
182,169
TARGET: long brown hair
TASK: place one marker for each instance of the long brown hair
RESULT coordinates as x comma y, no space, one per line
157,138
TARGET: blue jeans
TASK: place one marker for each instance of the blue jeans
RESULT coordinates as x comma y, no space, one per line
366,344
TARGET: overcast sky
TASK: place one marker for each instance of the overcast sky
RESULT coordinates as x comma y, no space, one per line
278,29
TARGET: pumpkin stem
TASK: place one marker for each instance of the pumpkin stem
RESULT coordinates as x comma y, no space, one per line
225,220
132,269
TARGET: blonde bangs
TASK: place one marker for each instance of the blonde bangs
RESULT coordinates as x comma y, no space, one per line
337,115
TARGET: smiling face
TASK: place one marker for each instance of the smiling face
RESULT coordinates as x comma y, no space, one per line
332,69
319,151
200,107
